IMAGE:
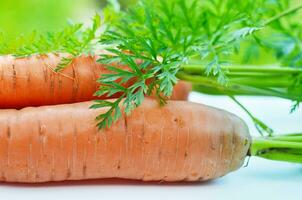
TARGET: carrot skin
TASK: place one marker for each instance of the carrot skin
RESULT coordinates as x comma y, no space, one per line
181,141
32,81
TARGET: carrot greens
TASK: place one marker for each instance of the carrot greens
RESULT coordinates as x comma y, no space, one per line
196,41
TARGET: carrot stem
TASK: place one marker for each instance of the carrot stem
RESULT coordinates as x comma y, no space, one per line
196,67
286,148
205,84
275,80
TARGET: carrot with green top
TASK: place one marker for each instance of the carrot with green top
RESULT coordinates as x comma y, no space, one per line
181,141
32,81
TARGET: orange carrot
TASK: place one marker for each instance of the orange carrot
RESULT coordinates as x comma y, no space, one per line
32,81
181,141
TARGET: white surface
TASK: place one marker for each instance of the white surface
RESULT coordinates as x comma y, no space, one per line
262,179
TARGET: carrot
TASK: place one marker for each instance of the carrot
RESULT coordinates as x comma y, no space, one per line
181,141
32,81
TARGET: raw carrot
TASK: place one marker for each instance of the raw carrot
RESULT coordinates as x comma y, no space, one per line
32,81
181,141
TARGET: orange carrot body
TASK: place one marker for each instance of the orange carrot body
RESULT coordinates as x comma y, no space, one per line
32,81
181,141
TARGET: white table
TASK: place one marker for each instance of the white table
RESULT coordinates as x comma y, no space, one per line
262,179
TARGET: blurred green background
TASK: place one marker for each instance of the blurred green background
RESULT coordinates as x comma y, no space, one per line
19,17
23,16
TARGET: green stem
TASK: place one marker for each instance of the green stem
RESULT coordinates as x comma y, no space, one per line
290,137
252,75
283,14
282,148
198,67
283,156
261,81
260,126
245,80
233,87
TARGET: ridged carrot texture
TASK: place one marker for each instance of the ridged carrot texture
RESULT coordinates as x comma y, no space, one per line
32,81
181,141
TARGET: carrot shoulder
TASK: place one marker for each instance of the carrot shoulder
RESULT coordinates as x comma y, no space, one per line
181,141
32,81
